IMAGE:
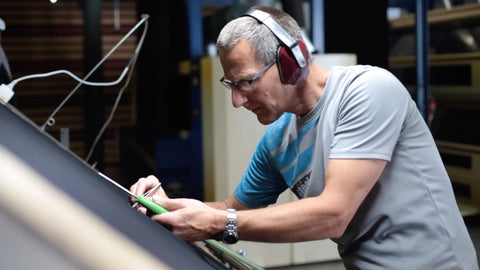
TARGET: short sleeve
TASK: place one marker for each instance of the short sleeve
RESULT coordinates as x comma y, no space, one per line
261,184
370,116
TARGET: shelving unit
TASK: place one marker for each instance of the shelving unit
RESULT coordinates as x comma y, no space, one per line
463,13
454,83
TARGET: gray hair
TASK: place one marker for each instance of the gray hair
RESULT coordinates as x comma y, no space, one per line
263,41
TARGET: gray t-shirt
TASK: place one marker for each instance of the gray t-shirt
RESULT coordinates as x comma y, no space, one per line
410,219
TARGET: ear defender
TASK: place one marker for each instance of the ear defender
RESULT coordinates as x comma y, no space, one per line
291,55
290,71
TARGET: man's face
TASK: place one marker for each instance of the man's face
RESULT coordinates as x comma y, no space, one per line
266,99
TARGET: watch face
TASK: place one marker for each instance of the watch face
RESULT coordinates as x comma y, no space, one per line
230,237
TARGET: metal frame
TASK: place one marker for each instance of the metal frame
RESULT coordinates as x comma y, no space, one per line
422,49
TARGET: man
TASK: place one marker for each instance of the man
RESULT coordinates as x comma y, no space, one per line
349,142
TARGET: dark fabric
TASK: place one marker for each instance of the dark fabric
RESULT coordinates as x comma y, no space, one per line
83,184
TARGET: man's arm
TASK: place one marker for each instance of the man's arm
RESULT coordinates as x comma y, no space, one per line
230,202
347,183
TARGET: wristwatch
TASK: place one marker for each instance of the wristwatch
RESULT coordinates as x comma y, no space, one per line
230,235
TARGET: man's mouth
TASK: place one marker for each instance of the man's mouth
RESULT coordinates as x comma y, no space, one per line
255,110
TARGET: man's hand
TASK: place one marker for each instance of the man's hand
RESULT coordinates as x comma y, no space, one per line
190,219
145,184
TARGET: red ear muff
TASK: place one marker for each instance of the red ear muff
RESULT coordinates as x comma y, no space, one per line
288,68
291,56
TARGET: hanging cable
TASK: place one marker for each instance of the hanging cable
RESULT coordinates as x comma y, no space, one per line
48,74
133,60
51,120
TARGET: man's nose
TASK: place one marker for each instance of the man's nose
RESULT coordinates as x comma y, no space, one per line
238,97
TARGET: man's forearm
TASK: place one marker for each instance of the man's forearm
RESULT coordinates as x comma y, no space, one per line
217,205
230,202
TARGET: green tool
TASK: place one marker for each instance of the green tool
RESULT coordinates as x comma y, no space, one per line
145,201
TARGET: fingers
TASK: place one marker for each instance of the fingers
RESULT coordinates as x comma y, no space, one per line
166,219
160,193
144,184
146,211
189,219
169,204
142,210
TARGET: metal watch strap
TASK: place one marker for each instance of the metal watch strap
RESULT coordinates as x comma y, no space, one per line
230,235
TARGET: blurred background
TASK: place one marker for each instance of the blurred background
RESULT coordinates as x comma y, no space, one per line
175,120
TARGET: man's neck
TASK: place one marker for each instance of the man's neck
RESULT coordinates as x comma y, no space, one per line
310,91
